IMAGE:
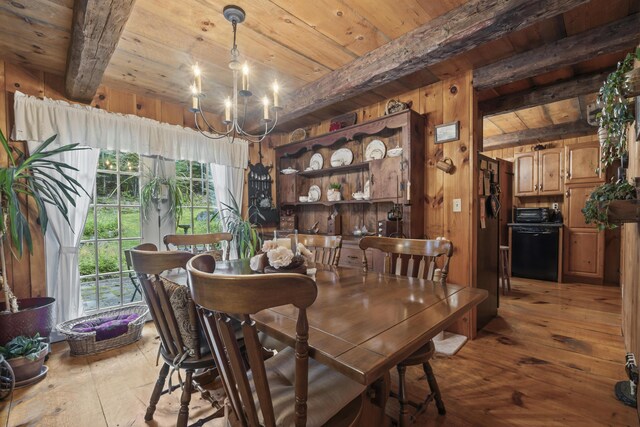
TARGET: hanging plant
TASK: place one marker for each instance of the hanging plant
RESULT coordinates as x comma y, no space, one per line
616,112
596,209
158,189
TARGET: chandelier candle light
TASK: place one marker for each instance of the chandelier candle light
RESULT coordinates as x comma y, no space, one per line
234,124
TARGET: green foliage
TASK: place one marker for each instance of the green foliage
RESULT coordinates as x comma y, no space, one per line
335,185
596,209
23,347
158,188
616,113
31,176
245,233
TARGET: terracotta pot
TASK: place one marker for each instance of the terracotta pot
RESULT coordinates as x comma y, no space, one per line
25,369
35,315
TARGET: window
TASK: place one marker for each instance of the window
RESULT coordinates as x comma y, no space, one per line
113,225
199,202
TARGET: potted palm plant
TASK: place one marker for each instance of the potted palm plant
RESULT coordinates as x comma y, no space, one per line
46,181
246,237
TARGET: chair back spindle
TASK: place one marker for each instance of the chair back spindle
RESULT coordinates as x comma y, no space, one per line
410,257
217,297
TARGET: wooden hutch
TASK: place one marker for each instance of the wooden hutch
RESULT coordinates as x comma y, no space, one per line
393,180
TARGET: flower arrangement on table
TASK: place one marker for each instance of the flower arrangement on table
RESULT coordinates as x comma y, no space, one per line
276,257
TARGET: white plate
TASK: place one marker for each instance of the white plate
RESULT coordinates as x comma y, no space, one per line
367,190
316,162
314,193
394,152
289,171
341,157
375,150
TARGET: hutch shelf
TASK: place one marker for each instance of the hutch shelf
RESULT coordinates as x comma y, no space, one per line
392,180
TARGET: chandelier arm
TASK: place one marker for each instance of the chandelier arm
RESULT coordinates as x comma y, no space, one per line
208,124
204,134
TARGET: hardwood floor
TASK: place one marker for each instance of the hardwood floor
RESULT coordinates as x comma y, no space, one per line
550,359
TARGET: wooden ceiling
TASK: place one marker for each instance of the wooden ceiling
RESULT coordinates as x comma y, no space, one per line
296,42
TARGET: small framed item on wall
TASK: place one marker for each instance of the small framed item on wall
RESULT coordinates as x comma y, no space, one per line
447,132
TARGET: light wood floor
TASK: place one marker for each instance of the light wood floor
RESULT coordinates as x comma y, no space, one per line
550,359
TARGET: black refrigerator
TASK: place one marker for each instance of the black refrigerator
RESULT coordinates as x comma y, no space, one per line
487,224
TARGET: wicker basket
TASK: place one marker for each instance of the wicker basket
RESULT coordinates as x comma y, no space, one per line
83,343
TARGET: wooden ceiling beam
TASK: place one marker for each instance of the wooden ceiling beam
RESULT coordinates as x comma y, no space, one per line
457,31
97,26
614,37
530,136
581,85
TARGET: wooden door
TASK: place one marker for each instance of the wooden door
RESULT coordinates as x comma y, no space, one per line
526,171
288,189
550,171
386,178
583,244
582,162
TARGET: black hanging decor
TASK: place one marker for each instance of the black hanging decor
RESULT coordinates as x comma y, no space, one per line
261,206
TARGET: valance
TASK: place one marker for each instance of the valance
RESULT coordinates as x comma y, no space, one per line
38,119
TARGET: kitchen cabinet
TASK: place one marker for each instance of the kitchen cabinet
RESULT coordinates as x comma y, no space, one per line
582,163
584,245
386,177
539,173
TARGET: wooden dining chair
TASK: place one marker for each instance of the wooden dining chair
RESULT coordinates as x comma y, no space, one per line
326,249
174,315
413,258
287,389
200,243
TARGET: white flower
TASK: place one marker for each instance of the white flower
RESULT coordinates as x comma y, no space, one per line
305,252
268,245
254,263
280,257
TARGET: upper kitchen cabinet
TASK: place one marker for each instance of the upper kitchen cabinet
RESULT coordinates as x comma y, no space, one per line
539,173
582,163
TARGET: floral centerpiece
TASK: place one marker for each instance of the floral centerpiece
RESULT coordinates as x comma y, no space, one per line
276,258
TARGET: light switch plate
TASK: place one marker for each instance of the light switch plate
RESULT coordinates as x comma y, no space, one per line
457,205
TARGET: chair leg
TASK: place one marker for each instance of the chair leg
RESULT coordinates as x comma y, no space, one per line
185,399
157,391
403,420
433,385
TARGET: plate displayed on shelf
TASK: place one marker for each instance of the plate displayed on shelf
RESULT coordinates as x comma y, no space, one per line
314,193
367,190
375,150
316,162
341,157
395,152
289,171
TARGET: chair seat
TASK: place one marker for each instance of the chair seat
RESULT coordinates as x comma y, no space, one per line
423,354
329,391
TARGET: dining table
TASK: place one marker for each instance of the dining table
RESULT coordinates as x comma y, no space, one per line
364,323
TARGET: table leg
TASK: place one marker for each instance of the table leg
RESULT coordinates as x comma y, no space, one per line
373,412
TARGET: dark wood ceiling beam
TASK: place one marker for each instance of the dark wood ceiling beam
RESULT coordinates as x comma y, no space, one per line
581,85
97,26
530,136
459,30
614,37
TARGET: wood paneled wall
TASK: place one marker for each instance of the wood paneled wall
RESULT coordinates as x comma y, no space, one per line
612,237
450,100
630,266
27,276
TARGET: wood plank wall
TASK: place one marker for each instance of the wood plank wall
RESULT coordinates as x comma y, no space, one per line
630,279
612,237
446,101
27,276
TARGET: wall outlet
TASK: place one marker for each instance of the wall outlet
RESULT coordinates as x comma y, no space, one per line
457,205
555,206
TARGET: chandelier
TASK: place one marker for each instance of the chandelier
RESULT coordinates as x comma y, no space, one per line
232,120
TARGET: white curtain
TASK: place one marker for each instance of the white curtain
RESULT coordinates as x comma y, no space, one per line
62,242
37,120
228,183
